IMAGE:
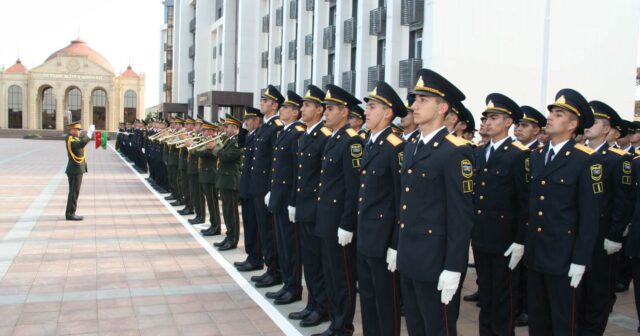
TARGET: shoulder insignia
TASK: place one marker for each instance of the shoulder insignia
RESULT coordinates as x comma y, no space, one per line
325,131
351,132
519,146
637,151
584,148
394,140
617,151
363,136
456,141
278,122
300,128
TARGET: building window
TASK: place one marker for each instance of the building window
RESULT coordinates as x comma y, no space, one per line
415,44
130,105
15,106
48,112
74,103
99,108
382,45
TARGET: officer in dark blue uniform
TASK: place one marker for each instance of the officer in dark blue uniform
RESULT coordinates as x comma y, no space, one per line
356,121
435,211
529,126
246,138
337,206
500,202
615,213
266,135
633,251
304,202
566,185
282,176
378,218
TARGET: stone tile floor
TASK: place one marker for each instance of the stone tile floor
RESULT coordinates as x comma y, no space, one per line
133,266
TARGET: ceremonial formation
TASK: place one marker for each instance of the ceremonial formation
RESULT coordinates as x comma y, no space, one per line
385,203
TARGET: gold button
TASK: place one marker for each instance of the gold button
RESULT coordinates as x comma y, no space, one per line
407,189
360,199
364,172
539,229
482,183
404,207
569,232
486,170
540,213
409,171
543,182
380,215
318,198
362,185
298,190
299,166
402,226
321,171
501,216
320,184
479,212
430,231
299,177
481,197
335,201
542,198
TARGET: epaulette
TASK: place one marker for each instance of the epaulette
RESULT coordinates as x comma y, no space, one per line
362,135
584,148
456,141
617,151
278,122
325,131
637,152
394,140
351,132
300,128
519,146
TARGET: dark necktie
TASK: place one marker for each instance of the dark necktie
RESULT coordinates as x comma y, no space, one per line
420,145
491,150
550,156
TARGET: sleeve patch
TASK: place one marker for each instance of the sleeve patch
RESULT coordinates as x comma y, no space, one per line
596,172
626,167
467,168
597,187
467,186
355,163
626,180
400,158
356,150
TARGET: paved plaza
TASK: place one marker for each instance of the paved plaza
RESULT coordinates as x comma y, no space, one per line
134,266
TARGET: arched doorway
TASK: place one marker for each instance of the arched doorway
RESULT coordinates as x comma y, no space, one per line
15,106
74,103
48,108
130,106
99,108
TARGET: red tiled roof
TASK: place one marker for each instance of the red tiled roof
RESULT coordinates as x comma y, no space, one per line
80,48
16,68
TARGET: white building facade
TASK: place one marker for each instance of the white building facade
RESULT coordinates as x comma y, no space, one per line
526,49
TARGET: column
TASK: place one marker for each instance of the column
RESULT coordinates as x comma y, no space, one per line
60,111
87,117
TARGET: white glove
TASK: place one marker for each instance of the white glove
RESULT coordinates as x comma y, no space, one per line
90,131
292,214
391,259
575,273
142,150
344,237
448,283
612,247
516,251
267,197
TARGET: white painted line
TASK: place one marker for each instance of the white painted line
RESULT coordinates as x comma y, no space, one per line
13,240
15,157
248,288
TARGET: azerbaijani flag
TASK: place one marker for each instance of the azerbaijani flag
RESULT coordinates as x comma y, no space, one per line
101,139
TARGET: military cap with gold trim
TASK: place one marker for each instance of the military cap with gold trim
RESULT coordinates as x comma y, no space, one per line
199,120
627,128
177,120
250,112
383,93
432,84
636,126
397,129
75,125
274,94
206,125
335,95
293,99
314,94
604,111
532,116
499,103
189,120
464,115
572,101
410,99
356,112
231,120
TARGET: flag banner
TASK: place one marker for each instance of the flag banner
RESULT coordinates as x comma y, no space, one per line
98,139
105,138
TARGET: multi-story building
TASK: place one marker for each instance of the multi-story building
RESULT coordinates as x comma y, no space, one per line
526,49
166,55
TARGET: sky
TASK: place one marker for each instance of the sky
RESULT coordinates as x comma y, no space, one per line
123,31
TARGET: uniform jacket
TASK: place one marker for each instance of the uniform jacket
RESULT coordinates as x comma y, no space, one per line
435,207
379,195
75,153
229,157
500,197
338,195
263,156
633,250
207,165
564,208
308,165
282,167
247,160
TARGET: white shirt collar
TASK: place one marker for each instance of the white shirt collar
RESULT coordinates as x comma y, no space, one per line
426,138
408,135
531,143
374,137
266,120
558,147
600,147
288,125
498,143
627,149
310,129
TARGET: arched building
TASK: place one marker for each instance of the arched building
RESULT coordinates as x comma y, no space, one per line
76,79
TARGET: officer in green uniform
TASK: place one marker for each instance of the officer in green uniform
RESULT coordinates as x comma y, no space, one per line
207,177
228,181
76,166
